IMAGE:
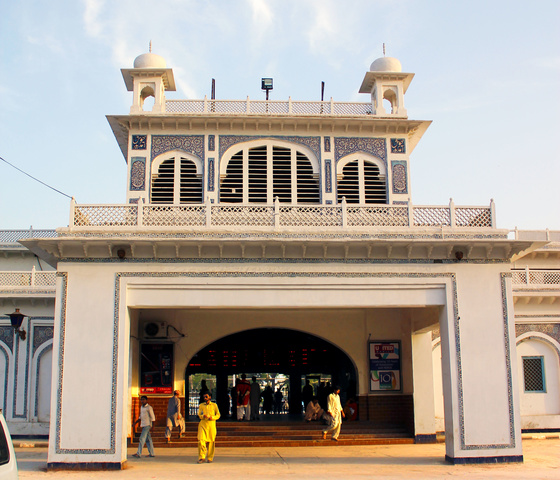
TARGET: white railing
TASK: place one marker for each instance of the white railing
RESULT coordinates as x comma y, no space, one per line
268,107
279,215
27,280
533,278
12,236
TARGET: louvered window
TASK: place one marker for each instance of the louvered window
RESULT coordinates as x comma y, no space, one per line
260,174
361,182
176,181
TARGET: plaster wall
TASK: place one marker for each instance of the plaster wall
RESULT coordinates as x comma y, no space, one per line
97,301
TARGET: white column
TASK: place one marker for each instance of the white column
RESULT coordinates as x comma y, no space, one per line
423,384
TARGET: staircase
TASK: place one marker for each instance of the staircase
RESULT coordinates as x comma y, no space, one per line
282,434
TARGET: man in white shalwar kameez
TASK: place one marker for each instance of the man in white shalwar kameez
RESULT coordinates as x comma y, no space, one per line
208,413
334,409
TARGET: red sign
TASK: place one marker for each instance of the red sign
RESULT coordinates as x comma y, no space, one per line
156,390
381,349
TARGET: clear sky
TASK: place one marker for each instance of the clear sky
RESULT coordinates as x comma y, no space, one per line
487,74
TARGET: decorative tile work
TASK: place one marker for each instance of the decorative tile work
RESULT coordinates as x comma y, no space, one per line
7,335
189,143
552,330
137,173
347,145
139,142
41,334
398,145
211,142
400,183
61,339
26,380
313,143
328,176
210,174
327,142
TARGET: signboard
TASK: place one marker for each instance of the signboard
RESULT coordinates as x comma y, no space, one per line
156,368
385,366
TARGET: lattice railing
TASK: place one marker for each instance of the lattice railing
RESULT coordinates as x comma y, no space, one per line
310,216
12,236
105,215
279,215
242,215
27,279
389,216
268,107
473,217
177,215
536,278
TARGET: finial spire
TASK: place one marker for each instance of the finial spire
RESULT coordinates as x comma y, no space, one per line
383,49
151,46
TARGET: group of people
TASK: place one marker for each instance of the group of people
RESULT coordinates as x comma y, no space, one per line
246,399
208,413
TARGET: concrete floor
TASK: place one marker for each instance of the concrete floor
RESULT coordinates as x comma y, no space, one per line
541,461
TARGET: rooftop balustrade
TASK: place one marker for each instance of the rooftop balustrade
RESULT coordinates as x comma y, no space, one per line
536,279
268,107
338,217
27,281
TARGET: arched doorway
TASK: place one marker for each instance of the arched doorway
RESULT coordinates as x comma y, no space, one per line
296,355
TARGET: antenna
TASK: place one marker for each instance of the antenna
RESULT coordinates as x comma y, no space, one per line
151,46
383,49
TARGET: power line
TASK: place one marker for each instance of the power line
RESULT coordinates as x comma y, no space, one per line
36,179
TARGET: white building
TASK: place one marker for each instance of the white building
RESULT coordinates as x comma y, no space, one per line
281,235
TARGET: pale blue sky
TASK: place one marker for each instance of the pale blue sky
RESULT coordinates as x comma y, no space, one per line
487,74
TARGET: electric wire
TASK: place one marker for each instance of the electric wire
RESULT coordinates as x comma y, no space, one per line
36,179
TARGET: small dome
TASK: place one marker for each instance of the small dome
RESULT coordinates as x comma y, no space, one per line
149,60
386,64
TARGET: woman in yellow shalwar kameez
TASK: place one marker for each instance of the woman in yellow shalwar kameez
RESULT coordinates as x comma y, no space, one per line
208,413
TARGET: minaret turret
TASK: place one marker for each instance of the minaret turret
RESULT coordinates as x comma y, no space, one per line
150,77
386,81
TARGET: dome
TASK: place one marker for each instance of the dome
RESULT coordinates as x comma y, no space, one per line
386,64
149,60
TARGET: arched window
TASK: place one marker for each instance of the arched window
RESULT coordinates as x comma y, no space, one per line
176,179
261,173
361,181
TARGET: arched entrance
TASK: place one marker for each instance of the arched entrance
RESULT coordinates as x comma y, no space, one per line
296,355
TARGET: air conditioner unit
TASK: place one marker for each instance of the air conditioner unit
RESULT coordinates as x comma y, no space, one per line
154,330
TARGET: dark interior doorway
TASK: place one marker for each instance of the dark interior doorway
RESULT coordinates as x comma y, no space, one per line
295,354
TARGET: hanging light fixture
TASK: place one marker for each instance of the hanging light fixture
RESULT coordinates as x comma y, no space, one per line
16,319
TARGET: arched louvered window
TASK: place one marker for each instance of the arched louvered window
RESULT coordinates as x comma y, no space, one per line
361,182
176,180
260,174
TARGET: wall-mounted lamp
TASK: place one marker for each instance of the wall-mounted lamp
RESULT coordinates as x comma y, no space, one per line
16,319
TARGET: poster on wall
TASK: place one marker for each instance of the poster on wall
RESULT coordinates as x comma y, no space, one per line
385,366
156,368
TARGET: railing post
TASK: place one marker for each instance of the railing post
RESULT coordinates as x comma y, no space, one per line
527,275
72,215
289,105
205,104
276,213
344,213
140,210
332,106
452,213
208,212
492,213
33,276
410,214
248,106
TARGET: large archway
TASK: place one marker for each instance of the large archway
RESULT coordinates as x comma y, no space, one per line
295,354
